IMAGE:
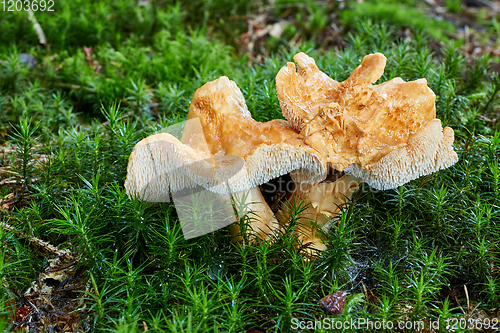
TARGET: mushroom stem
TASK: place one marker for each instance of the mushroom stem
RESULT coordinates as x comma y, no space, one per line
262,220
324,202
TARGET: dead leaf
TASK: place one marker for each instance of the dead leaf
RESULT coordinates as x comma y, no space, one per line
22,313
334,304
92,63
53,303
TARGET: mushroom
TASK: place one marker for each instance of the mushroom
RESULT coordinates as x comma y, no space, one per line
269,149
386,134
218,135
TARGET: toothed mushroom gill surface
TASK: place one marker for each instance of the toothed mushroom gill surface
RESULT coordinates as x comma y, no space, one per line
386,134
269,149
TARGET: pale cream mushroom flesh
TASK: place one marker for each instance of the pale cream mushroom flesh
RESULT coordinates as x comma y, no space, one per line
321,205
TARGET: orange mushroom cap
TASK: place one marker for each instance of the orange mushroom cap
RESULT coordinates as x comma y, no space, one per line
386,134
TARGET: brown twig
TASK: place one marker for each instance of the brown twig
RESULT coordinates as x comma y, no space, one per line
38,242
6,170
364,289
10,180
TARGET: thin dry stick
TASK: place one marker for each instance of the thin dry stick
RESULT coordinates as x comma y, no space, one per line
38,242
11,180
467,295
459,305
6,170
38,29
364,289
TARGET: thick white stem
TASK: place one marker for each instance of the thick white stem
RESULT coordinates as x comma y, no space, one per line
263,223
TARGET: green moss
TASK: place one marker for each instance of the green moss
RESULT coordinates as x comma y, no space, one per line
398,15
409,245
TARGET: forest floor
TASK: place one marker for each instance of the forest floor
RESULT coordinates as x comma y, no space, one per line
82,84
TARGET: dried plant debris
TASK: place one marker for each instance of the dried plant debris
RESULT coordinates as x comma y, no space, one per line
54,302
334,304
63,254
273,26
90,61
